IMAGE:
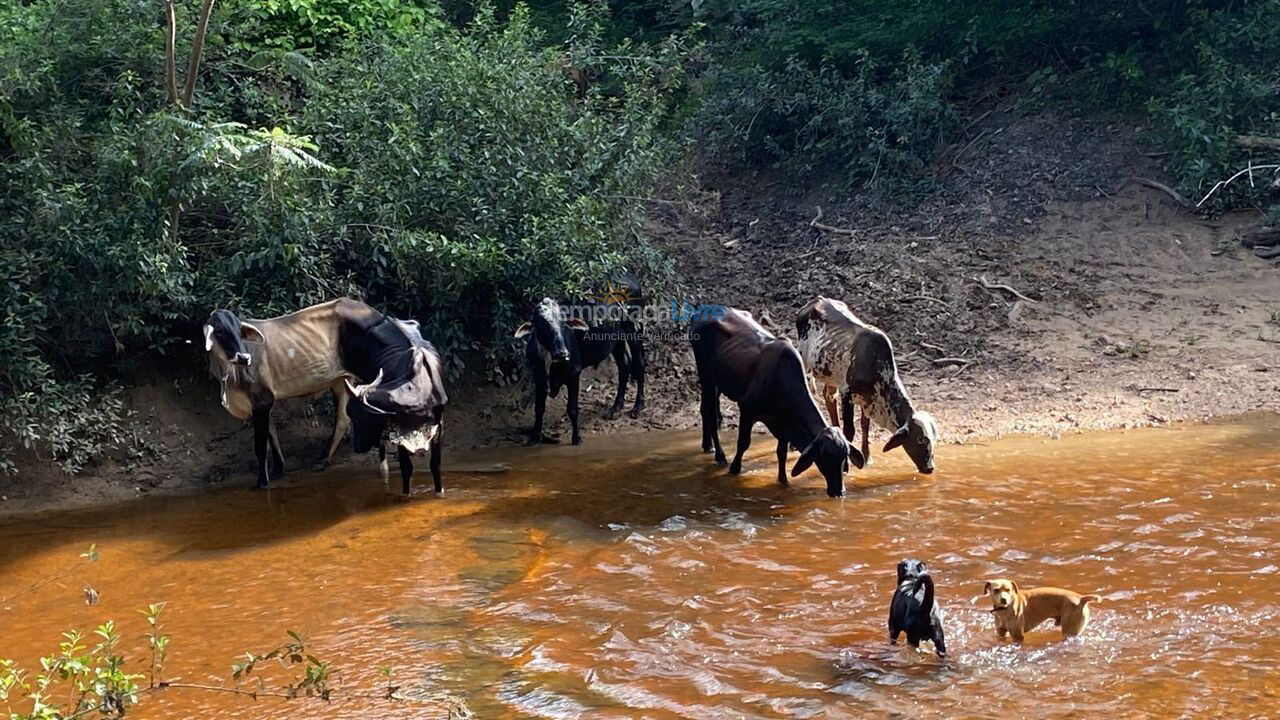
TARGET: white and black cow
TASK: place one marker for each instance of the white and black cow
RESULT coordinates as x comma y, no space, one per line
853,361
558,347
406,398
763,373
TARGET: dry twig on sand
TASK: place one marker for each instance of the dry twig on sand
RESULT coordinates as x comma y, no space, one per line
815,223
982,281
1177,197
952,361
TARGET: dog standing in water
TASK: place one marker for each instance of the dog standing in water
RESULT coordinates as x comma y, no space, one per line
1017,611
914,609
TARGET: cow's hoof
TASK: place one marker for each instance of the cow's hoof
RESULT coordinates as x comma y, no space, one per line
577,441
613,412
635,411
544,439
735,468
403,498
259,486
721,461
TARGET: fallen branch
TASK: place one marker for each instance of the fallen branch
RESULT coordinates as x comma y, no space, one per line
931,346
952,361
1158,389
982,280
1257,142
1266,235
1177,197
1247,171
814,223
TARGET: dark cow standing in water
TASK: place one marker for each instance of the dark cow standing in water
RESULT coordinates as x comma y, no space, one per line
854,361
406,398
557,348
739,358
259,362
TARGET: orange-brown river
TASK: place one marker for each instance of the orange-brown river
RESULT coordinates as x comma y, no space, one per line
629,578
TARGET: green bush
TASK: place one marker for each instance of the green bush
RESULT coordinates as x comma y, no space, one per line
1229,86
477,181
867,124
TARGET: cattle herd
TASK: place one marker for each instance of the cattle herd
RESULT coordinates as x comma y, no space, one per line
388,384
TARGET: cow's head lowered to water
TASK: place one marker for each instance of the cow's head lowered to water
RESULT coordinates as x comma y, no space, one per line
917,436
832,454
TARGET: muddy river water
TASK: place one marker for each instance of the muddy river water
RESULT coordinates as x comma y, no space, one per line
629,578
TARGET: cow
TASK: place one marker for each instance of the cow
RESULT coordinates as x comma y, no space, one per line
406,397
258,362
558,347
736,356
853,361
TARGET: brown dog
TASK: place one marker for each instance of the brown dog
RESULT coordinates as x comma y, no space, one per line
1018,611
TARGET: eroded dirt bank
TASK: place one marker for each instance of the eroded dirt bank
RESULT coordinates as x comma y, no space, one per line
1138,312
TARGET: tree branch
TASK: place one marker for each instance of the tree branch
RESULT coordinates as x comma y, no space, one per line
197,48
170,60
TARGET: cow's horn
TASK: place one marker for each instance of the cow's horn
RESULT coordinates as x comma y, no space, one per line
361,390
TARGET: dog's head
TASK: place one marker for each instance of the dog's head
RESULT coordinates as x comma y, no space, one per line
1004,594
910,569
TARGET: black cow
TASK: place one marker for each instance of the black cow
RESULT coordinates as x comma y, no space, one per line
558,347
406,398
763,373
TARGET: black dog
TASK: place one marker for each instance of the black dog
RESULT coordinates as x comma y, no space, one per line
914,612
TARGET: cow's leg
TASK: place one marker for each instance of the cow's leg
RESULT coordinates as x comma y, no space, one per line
866,437
340,423
406,470
637,370
261,444
539,403
745,421
573,407
436,451
624,371
277,456
382,461
711,422
847,413
782,463
829,397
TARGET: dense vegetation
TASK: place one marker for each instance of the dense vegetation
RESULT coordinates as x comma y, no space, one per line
452,160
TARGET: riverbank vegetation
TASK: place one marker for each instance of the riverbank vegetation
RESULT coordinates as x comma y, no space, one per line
452,160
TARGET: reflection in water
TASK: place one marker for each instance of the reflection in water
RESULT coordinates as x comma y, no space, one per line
629,578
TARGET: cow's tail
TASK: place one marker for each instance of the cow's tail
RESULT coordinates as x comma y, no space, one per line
925,581
1086,599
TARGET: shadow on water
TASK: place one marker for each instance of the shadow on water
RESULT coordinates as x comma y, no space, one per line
632,481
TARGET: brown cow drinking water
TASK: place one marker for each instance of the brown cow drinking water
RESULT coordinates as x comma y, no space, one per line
739,358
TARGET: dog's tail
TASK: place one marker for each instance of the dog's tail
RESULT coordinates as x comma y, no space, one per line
926,605
1086,599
